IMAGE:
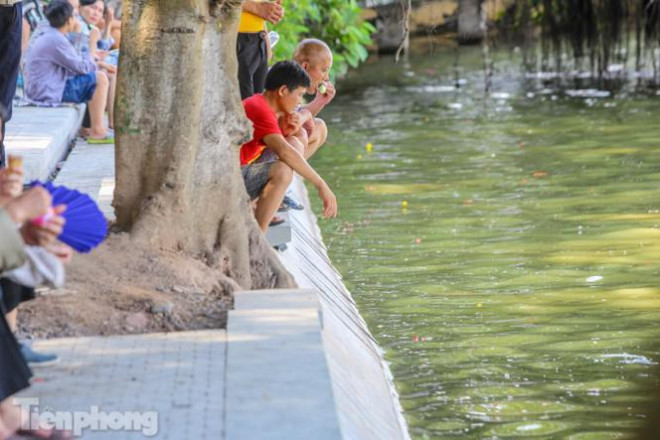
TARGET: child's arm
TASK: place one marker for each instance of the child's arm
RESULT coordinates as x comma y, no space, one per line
297,162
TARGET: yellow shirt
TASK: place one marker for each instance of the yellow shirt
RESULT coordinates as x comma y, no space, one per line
250,23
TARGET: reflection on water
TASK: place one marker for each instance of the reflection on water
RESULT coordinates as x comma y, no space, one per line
503,249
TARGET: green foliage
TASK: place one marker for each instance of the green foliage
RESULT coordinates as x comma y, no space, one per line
337,22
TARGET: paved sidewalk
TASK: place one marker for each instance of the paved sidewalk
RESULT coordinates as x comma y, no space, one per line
90,168
180,376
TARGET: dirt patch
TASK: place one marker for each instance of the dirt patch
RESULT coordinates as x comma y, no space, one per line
121,288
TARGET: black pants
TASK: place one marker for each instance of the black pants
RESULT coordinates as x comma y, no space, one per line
13,294
252,63
14,371
11,21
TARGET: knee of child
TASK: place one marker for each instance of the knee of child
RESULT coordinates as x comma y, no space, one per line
283,174
298,141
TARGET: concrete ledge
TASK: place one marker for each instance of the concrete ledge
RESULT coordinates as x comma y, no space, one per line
278,385
366,402
43,137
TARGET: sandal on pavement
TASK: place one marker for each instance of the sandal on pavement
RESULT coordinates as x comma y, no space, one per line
108,139
276,221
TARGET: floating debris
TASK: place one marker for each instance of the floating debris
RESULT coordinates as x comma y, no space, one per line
626,358
588,93
500,95
594,278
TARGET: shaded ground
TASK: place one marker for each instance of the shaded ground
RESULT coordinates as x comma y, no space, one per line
122,289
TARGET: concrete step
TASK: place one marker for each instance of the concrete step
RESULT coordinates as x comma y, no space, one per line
278,383
43,137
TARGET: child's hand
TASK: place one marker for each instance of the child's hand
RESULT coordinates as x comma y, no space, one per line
290,123
11,185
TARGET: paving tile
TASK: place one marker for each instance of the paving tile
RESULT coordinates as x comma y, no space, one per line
122,374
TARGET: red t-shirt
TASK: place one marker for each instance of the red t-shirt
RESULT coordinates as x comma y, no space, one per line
264,121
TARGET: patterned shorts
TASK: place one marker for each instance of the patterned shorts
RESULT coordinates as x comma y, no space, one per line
255,176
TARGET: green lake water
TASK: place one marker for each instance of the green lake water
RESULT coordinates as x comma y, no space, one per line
504,249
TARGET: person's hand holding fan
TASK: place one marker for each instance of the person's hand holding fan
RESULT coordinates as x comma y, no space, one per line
85,226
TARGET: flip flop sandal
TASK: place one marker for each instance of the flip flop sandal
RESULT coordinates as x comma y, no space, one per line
104,140
290,203
276,221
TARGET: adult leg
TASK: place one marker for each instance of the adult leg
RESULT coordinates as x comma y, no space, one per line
11,23
279,179
252,63
261,65
243,52
317,139
97,105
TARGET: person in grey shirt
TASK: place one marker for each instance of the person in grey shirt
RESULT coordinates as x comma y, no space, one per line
56,73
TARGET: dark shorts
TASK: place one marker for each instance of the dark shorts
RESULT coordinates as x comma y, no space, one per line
255,177
80,88
14,371
252,63
10,55
14,294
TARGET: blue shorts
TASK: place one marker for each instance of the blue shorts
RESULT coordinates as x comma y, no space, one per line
79,88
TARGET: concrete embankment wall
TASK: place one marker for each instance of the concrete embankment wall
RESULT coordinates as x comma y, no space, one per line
367,404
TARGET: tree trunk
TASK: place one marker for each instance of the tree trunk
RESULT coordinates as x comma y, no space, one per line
471,21
179,124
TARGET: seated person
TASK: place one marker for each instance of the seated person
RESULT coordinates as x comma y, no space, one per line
94,15
316,58
269,160
56,73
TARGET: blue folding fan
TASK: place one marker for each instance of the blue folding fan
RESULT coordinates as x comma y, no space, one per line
85,226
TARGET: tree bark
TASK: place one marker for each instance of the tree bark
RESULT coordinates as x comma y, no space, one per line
471,21
179,124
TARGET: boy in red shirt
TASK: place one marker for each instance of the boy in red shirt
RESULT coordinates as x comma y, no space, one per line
269,159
